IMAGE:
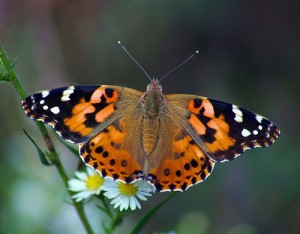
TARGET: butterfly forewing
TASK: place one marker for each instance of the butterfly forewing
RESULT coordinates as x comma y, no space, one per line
75,112
224,130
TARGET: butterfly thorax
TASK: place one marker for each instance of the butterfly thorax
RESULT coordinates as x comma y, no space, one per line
153,111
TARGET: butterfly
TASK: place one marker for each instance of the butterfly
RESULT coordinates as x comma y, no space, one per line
171,141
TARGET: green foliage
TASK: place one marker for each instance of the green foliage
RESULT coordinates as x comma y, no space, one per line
148,216
41,154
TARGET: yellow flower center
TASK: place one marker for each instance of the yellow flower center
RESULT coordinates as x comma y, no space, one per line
127,189
94,182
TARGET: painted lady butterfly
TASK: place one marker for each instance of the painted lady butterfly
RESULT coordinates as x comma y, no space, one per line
172,141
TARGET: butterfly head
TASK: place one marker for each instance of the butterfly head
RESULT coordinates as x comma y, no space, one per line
154,85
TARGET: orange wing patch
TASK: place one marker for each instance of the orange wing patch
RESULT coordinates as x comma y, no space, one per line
214,129
228,130
88,114
104,153
187,166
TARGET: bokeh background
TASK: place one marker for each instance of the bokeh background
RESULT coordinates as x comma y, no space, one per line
249,56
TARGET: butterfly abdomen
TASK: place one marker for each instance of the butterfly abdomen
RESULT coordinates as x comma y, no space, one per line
150,134
153,109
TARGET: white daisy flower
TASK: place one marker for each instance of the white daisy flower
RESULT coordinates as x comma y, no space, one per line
125,195
86,184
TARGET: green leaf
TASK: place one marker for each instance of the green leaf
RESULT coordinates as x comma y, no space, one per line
41,154
4,74
142,223
14,62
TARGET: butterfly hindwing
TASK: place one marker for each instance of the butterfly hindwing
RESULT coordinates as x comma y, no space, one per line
186,166
75,111
105,153
225,130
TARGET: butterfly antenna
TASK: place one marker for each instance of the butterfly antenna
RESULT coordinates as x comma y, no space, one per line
136,62
175,68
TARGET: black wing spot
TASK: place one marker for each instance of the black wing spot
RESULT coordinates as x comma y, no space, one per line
203,176
197,103
172,186
103,98
167,172
109,92
194,163
124,163
209,167
99,150
87,158
112,162
187,166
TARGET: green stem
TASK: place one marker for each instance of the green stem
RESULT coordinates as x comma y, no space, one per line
11,75
115,221
78,206
54,155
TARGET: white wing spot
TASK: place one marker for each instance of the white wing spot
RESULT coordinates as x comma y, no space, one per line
55,110
32,99
260,127
245,133
45,94
42,102
45,107
238,114
66,94
255,132
259,118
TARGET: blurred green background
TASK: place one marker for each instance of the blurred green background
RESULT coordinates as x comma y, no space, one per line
249,56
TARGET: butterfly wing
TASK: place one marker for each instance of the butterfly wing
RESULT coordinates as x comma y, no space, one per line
113,154
222,130
182,166
80,112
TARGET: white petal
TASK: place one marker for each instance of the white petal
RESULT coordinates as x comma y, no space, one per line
111,183
84,194
137,203
111,194
125,203
117,199
90,171
144,194
132,202
142,197
81,175
117,204
122,206
81,196
98,191
76,185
